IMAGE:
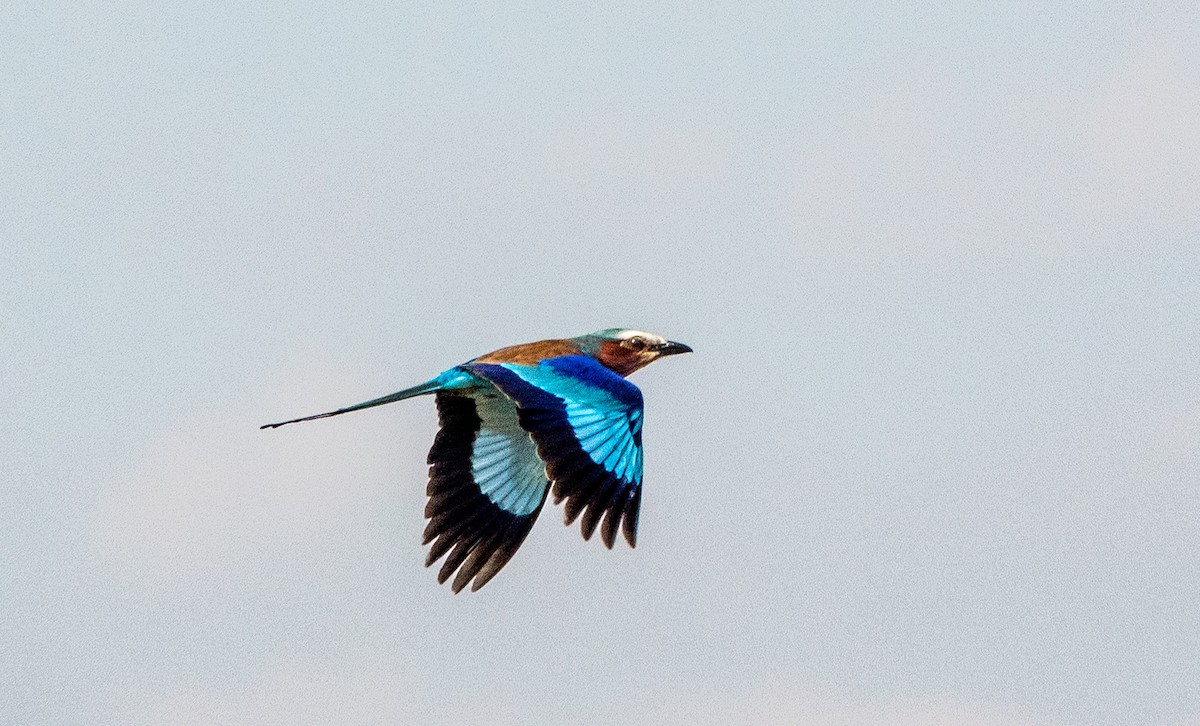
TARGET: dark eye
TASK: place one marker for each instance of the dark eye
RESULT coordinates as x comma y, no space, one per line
636,343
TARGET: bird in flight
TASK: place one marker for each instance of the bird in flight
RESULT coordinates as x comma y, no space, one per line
517,423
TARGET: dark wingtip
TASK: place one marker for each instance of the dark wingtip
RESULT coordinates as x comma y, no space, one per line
629,529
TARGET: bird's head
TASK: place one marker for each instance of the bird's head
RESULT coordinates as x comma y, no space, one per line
623,351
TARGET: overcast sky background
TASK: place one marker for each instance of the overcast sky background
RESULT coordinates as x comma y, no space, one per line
934,460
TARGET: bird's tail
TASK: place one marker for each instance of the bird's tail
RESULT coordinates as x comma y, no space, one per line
430,386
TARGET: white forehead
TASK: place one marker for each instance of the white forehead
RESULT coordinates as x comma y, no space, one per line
650,337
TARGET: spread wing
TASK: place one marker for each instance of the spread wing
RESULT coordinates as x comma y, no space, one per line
486,486
587,423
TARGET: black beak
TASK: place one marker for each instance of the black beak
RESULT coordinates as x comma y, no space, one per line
672,348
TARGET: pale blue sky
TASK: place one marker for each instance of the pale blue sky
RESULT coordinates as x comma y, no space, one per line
934,461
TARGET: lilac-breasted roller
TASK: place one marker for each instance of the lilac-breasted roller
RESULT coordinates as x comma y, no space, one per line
555,415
